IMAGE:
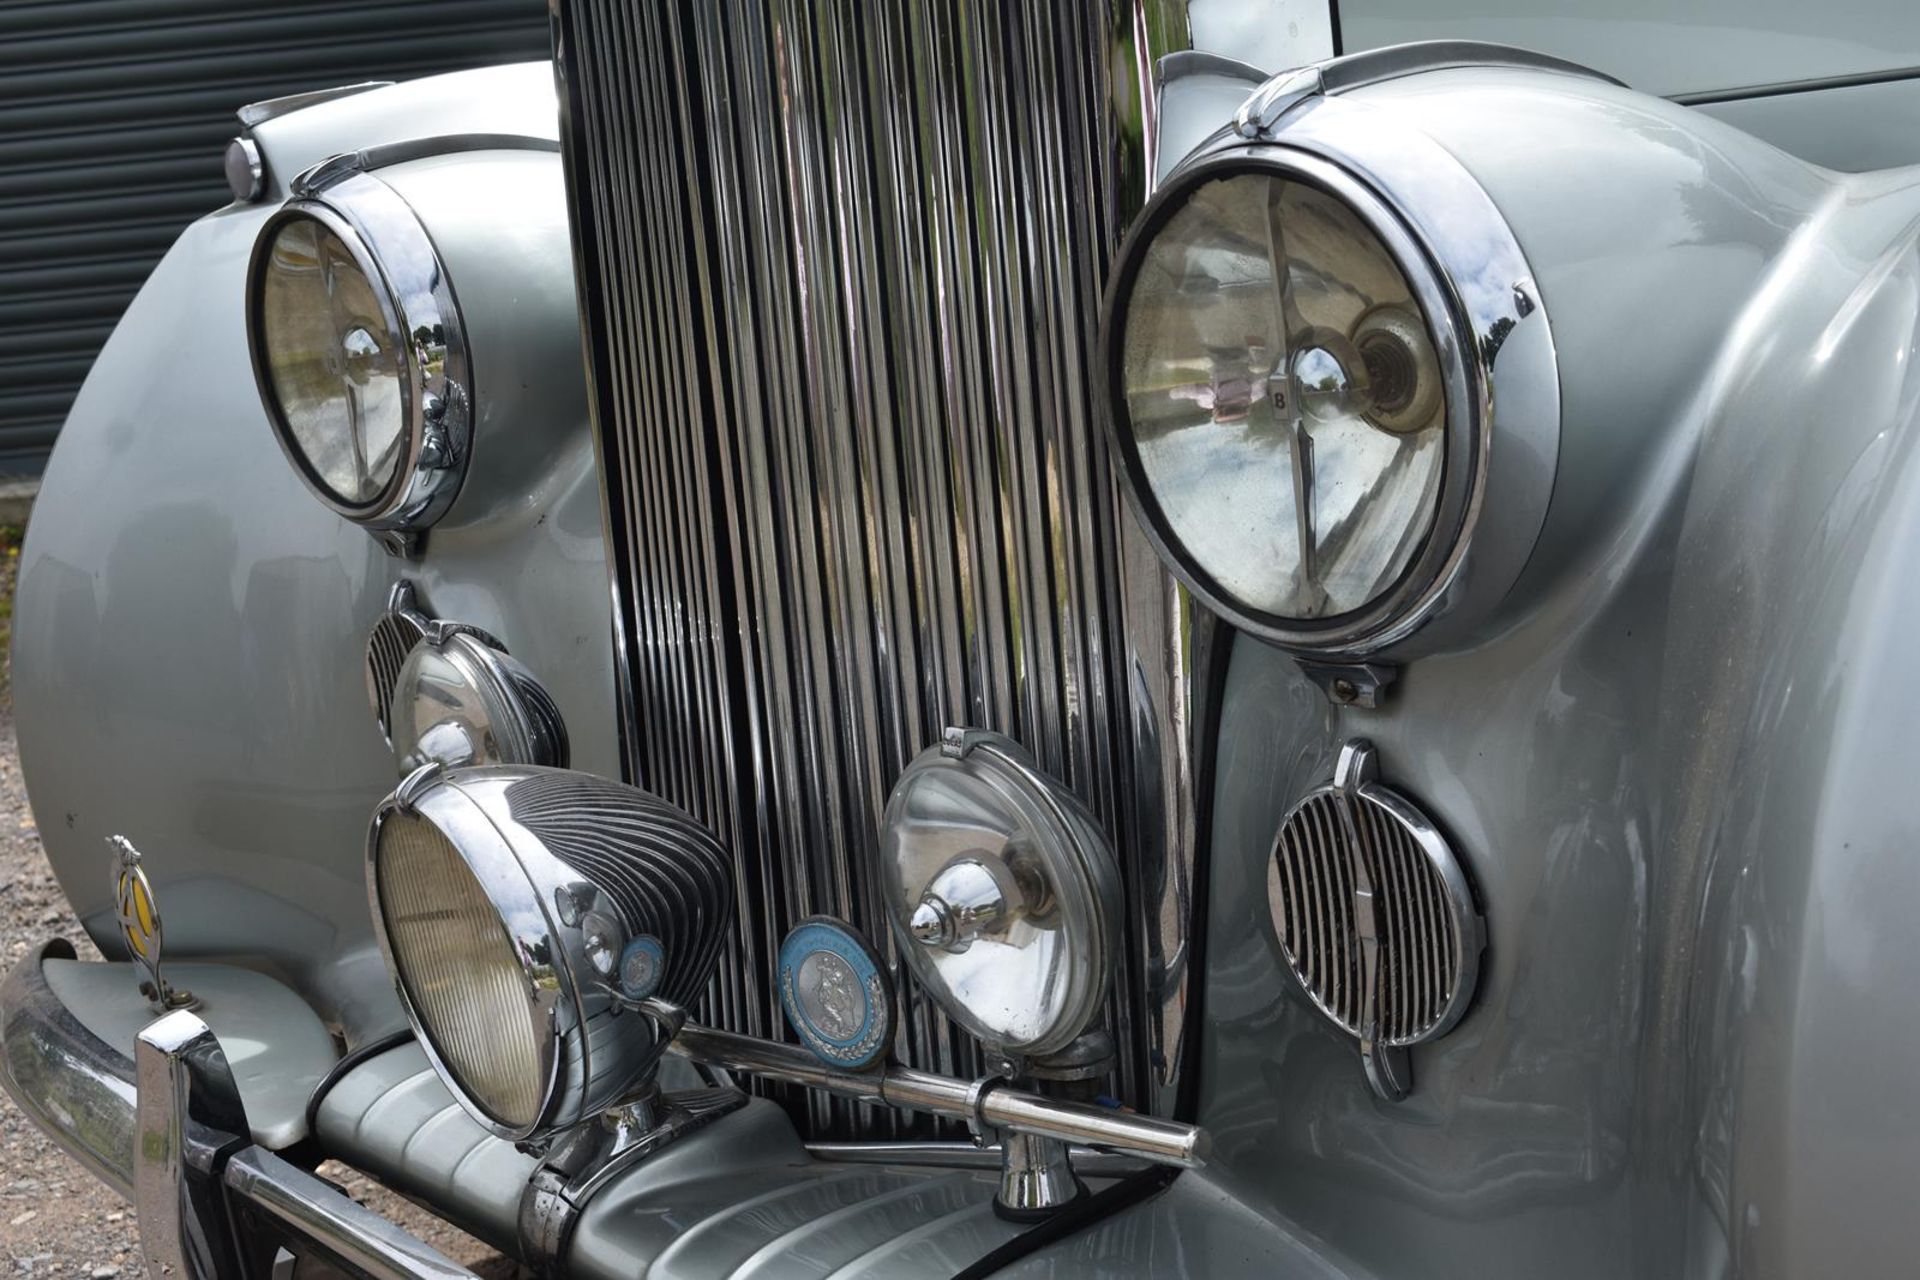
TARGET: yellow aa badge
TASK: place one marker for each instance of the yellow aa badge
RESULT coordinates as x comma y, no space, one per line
140,925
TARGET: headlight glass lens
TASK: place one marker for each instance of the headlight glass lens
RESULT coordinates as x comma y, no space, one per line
1283,396
336,361
466,985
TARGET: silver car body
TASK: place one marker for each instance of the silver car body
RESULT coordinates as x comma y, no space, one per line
1675,753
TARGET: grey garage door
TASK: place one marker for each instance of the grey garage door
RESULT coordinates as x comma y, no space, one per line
114,115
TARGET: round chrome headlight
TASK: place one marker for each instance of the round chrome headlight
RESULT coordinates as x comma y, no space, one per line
1299,383
358,352
1005,895
523,912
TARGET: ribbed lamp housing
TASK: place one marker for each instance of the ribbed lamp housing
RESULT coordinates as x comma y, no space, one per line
573,868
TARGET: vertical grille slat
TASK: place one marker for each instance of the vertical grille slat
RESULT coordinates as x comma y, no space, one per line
841,271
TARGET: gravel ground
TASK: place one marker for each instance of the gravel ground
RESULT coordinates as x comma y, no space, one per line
56,1219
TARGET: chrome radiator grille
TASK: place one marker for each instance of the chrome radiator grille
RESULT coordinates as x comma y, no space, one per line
841,265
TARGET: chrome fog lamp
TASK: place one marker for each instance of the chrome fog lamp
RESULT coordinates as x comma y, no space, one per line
513,904
358,351
450,693
1300,343
1005,895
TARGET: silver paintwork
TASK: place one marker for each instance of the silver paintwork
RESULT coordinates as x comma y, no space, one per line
1657,46
588,1158
188,1107
394,250
1672,761
741,1197
276,1048
258,113
253,762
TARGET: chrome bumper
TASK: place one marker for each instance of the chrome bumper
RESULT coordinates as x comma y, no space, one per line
168,1133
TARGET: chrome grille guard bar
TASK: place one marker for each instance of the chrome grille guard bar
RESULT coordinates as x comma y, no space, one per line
987,1104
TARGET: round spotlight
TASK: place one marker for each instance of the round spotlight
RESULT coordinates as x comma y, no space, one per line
460,700
1300,344
1005,895
358,351
450,693
511,904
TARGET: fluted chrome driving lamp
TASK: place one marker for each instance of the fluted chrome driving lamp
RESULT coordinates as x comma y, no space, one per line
541,926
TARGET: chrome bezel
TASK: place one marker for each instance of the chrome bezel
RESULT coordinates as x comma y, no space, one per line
1474,289
391,245
523,918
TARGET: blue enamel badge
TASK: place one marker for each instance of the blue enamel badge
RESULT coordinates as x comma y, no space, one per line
643,963
836,993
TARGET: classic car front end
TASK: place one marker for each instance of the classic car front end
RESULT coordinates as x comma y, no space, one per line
958,640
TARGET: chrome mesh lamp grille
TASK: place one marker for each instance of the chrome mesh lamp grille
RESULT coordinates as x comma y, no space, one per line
1374,915
388,645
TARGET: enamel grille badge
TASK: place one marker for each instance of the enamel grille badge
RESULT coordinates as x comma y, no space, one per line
836,994
140,926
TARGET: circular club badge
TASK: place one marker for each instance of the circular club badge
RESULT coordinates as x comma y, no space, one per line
836,993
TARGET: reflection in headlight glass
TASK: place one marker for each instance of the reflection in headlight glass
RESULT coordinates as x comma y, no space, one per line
336,363
1284,398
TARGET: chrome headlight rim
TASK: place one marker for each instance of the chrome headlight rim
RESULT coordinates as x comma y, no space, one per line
392,247
549,987
1441,229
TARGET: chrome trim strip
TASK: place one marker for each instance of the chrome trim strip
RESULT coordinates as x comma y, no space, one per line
78,1089
1780,88
322,1216
1355,70
337,168
258,113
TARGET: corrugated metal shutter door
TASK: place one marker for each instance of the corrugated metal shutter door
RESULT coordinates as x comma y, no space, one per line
114,116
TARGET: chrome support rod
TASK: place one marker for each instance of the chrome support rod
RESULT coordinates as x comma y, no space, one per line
986,1103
